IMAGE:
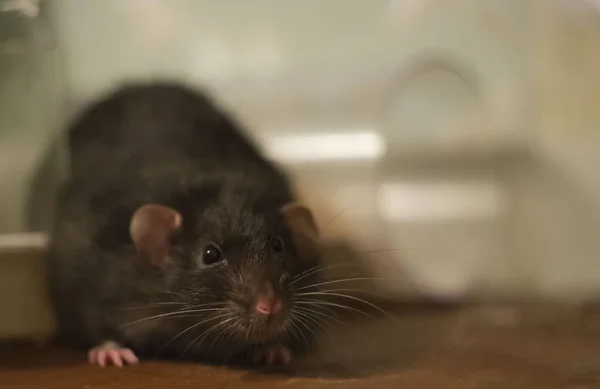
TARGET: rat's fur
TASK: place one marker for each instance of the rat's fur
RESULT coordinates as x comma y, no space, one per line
164,143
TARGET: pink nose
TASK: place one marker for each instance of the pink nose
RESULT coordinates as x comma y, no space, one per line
266,306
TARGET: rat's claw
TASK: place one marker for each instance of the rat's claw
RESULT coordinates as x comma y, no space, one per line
111,352
276,355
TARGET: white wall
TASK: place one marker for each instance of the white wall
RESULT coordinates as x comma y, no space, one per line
565,60
299,68
283,66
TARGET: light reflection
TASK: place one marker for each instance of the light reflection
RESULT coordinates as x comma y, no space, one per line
23,241
154,19
214,60
27,8
314,146
407,12
262,55
439,201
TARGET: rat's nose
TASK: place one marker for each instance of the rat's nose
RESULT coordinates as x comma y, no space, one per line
267,303
268,306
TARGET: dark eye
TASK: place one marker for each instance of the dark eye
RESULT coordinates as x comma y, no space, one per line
277,244
211,254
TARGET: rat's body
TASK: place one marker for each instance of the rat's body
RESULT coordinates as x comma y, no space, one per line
175,237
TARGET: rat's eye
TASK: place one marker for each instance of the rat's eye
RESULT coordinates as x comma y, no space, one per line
277,244
211,254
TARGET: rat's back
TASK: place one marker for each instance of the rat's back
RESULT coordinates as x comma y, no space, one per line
147,126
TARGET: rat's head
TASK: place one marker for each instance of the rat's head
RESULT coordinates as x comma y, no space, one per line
237,266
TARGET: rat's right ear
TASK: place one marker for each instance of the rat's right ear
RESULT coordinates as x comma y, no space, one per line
304,230
300,220
151,229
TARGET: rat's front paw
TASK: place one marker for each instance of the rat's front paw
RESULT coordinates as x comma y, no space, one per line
273,355
111,352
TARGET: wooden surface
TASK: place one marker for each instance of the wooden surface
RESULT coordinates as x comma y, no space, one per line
476,347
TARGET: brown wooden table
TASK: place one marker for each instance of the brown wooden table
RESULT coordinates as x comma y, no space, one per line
475,347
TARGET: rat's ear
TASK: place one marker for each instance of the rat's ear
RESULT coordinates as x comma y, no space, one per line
151,229
300,220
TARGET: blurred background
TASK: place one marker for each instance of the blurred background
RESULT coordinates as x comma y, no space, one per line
450,143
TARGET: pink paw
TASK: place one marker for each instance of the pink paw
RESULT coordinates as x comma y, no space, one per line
276,355
111,352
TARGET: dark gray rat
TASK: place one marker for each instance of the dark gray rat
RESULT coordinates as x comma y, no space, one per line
175,237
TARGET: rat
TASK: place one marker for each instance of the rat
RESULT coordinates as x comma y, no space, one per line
175,237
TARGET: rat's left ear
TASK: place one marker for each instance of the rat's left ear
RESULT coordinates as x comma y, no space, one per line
300,220
151,228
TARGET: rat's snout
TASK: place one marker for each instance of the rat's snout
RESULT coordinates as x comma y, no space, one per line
267,302
262,308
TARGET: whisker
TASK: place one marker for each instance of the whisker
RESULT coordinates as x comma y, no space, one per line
331,304
319,267
353,298
283,330
204,334
186,330
169,303
302,321
227,328
247,333
205,305
171,314
316,269
380,251
298,330
214,328
314,320
176,294
239,331
303,274
320,306
330,317
355,290
345,280
340,213
153,305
